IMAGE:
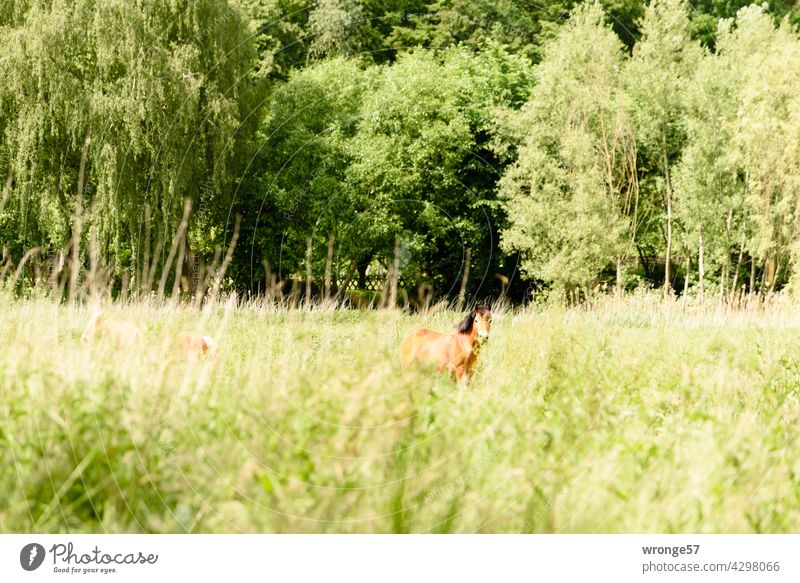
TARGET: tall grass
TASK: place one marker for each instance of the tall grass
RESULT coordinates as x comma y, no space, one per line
631,415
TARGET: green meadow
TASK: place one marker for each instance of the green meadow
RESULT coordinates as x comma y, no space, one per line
627,415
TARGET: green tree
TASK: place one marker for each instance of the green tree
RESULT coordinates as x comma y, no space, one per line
120,107
709,192
302,193
656,79
767,140
334,25
571,194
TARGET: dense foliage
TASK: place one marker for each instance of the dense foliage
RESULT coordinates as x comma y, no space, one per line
446,145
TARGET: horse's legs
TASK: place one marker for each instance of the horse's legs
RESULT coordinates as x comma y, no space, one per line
461,375
468,366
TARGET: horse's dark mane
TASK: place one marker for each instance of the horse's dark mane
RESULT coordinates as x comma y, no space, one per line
466,324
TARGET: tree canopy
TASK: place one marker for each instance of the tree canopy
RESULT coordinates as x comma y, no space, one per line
468,148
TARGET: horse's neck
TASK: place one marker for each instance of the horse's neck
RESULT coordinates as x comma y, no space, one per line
468,340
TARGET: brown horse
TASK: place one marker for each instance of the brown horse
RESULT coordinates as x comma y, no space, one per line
455,352
124,334
194,346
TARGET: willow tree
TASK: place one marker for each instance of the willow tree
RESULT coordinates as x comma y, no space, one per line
124,109
571,196
709,190
656,77
767,140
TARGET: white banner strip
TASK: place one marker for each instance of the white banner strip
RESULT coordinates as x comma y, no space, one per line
400,558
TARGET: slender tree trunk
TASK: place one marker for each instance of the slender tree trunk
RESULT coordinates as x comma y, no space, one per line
701,272
385,287
776,270
723,281
226,261
329,266
668,258
191,270
752,274
176,240
769,273
618,280
143,282
727,265
124,285
736,273
462,293
341,289
668,189
92,279
176,285
309,273
362,272
395,273
78,225
645,264
686,275
151,271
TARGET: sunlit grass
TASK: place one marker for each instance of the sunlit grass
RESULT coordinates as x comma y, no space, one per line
629,416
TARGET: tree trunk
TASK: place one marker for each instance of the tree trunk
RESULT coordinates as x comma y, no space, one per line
329,266
191,271
151,271
145,275
226,261
462,293
736,273
176,240
668,258
309,274
686,275
752,274
776,270
701,272
395,273
92,279
362,271
668,188
727,265
78,225
347,279
769,273
176,285
645,264
723,281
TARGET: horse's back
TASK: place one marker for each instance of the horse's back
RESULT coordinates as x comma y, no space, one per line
415,343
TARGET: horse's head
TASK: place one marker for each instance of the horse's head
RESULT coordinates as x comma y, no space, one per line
483,321
478,321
